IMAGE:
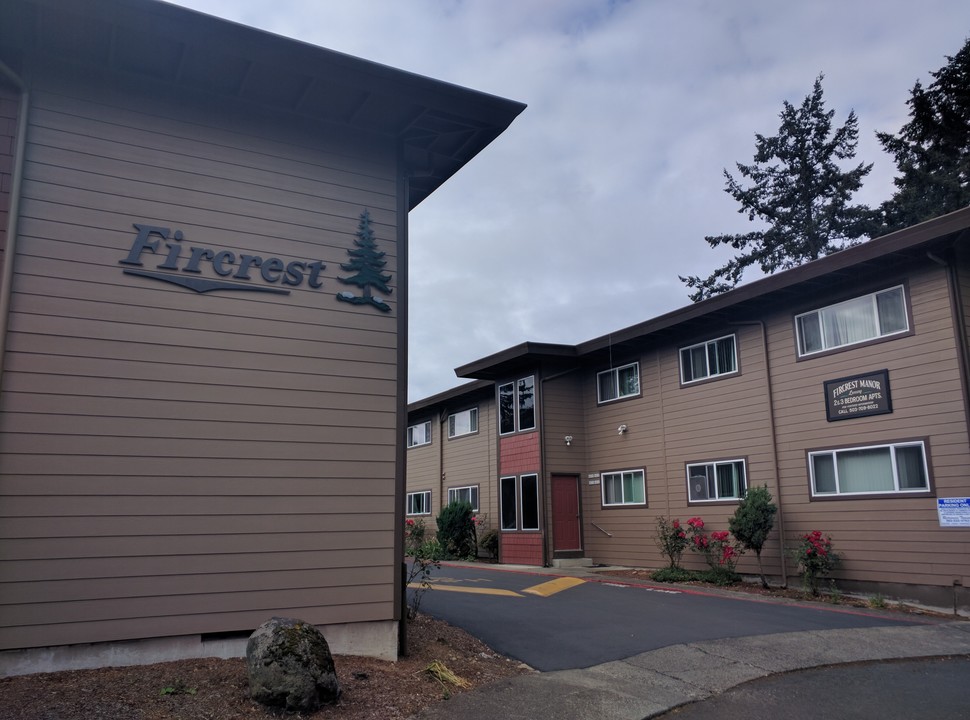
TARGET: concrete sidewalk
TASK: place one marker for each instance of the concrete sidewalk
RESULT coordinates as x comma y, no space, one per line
649,684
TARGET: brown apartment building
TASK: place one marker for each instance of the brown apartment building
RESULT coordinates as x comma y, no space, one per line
202,329
841,385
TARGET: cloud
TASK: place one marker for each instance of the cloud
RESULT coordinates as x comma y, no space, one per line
578,220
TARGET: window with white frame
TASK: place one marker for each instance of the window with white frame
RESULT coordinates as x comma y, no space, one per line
625,487
519,499
517,406
721,480
419,503
463,423
891,468
619,383
468,494
708,359
419,434
869,317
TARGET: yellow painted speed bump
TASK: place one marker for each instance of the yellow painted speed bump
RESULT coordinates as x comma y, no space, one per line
553,586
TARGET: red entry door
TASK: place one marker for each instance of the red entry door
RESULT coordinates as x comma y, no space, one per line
565,513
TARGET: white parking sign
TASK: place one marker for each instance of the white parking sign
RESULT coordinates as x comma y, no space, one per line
953,512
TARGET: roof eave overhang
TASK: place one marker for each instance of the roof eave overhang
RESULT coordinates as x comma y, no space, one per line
438,126
447,397
528,355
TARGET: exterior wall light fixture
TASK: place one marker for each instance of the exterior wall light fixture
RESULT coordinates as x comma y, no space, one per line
622,429
569,440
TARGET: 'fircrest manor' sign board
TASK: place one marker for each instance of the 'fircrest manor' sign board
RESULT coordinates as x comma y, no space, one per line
858,396
182,266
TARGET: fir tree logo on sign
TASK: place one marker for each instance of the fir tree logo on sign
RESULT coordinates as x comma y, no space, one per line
367,263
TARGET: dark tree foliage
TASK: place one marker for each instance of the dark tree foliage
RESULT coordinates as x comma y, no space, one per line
799,192
932,150
752,522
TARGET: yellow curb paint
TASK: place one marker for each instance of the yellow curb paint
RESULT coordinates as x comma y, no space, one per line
473,591
553,586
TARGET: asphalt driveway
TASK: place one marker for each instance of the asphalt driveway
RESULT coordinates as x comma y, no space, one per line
553,623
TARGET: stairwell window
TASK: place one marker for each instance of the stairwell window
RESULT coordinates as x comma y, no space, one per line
618,383
419,434
721,480
463,423
519,499
708,359
626,487
876,469
517,406
879,314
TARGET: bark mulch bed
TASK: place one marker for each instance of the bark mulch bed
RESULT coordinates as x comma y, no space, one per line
212,689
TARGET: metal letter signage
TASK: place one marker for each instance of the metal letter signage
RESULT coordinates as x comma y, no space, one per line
183,266
858,396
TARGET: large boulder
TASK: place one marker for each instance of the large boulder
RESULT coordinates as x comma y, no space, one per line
290,666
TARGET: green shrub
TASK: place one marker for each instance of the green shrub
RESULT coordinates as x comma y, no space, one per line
719,576
752,522
456,531
488,541
673,575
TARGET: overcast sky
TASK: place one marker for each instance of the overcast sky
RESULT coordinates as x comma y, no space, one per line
578,220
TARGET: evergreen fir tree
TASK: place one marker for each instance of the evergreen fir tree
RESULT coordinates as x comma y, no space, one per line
932,150
799,191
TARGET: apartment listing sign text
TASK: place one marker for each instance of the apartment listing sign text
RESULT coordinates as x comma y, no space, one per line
858,396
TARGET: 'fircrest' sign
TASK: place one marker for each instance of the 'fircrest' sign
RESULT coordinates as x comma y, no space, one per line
182,265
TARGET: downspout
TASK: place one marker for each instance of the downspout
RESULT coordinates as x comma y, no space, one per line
774,442
540,419
663,432
13,214
401,419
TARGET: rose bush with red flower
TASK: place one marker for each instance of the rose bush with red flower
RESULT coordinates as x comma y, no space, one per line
672,540
816,558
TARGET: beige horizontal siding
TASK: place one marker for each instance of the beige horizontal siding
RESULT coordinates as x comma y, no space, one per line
423,463
471,459
82,569
177,463
895,539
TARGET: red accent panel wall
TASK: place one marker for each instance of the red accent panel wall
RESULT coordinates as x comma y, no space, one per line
519,454
521,549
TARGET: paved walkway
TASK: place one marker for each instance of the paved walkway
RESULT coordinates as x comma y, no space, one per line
649,684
